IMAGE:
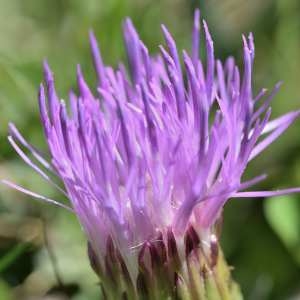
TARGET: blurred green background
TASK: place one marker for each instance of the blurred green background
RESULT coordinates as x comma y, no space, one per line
42,248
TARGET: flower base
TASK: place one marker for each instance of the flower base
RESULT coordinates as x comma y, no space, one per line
168,268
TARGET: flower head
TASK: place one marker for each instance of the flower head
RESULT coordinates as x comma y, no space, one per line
156,150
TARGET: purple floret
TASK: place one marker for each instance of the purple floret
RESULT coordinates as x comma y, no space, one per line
163,146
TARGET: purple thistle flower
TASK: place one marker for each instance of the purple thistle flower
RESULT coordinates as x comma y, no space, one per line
153,152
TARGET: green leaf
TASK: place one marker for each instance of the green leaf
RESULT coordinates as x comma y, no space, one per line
283,215
11,256
5,291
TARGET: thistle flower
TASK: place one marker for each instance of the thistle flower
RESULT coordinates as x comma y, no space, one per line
150,158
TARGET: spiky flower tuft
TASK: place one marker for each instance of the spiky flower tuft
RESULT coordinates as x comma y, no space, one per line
149,159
